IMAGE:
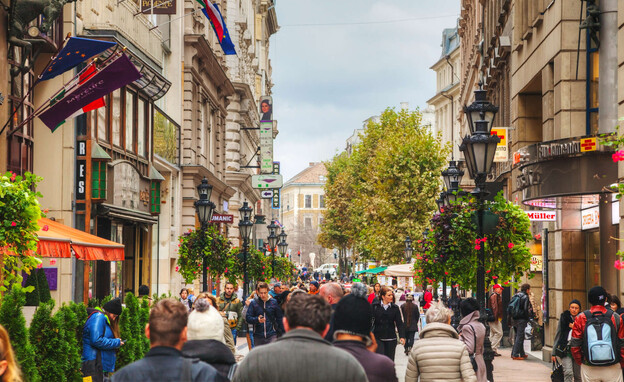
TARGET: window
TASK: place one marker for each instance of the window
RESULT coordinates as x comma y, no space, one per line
129,125
155,197
308,201
321,201
98,180
100,122
307,223
115,118
141,128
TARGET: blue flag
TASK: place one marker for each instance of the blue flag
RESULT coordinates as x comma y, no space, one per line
226,43
76,51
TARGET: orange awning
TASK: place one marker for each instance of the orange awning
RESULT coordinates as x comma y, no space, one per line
55,240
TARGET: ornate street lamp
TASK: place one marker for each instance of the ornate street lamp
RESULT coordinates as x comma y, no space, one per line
245,226
204,208
408,249
441,201
272,240
479,149
282,244
452,177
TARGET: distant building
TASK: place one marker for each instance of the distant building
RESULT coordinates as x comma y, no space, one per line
303,204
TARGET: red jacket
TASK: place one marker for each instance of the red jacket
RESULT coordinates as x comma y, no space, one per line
428,297
579,327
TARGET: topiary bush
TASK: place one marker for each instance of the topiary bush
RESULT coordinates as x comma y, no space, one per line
13,320
69,323
143,320
81,317
44,287
47,336
32,298
128,325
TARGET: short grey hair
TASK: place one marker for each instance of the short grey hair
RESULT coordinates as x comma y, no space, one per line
438,313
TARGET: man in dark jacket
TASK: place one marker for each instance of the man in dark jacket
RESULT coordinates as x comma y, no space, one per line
265,315
166,330
352,323
521,320
496,328
302,353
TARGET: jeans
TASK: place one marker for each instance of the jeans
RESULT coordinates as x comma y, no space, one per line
234,335
387,348
263,341
518,347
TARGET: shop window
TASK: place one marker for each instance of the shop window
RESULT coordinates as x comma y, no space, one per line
155,197
98,180
129,125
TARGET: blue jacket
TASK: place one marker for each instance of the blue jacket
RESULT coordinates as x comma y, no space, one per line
273,314
97,335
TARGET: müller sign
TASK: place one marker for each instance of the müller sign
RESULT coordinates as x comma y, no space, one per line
541,216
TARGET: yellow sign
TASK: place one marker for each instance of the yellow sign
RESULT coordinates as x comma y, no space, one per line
501,154
588,144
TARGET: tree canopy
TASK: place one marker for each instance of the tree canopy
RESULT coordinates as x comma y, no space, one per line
386,188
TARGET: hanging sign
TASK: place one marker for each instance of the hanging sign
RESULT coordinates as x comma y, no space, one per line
502,151
266,194
590,218
266,147
218,218
276,200
267,181
81,171
158,7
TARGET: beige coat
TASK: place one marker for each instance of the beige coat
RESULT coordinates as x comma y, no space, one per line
439,356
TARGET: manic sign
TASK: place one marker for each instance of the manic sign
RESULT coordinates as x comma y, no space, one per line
218,218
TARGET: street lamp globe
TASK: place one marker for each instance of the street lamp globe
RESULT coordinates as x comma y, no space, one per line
245,212
479,149
282,236
283,247
204,189
203,206
480,110
245,225
452,176
408,249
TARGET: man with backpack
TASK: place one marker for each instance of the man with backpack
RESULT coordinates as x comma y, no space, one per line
520,311
596,340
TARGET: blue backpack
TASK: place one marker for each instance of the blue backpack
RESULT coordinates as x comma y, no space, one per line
601,345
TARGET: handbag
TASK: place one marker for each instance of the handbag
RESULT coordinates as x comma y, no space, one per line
557,372
473,360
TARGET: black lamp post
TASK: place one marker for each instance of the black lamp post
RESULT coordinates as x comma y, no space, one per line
441,201
272,240
452,177
245,226
282,245
408,249
204,208
479,149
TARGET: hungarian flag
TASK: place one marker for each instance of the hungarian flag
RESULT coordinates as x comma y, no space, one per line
89,92
98,103
212,12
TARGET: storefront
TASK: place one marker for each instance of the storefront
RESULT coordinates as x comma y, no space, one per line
570,180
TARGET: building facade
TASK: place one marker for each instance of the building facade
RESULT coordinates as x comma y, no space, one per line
303,204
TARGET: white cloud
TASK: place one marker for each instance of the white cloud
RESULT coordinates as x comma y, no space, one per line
328,79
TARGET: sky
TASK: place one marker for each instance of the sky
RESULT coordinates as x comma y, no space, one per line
368,55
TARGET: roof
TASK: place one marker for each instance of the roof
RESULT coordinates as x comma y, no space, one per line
450,41
314,174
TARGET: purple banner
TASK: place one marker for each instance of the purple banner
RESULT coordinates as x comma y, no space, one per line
51,275
118,73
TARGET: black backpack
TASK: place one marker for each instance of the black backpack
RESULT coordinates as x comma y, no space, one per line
421,300
516,307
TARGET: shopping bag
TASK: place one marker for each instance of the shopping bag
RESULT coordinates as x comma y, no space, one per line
557,372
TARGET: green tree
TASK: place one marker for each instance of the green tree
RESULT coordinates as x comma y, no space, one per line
13,320
129,323
46,335
143,320
386,188
41,292
80,310
69,323
19,213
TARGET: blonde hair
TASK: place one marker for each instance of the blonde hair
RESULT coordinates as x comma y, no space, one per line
12,372
213,299
438,313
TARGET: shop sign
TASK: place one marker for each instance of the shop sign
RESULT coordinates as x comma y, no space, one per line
218,218
615,212
267,181
590,218
266,194
542,216
536,263
81,171
266,147
158,7
502,153
558,149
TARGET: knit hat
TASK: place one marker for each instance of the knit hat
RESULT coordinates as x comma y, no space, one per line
353,314
205,322
597,296
315,283
575,301
113,306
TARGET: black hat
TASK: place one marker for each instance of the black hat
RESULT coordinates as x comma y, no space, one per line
597,296
353,315
113,306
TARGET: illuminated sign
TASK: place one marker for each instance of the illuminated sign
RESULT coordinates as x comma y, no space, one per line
542,216
590,218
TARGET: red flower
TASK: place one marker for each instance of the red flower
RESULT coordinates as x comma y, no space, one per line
510,245
488,271
477,247
13,224
46,211
45,227
506,282
494,277
446,273
40,265
13,177
484,239
177,268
